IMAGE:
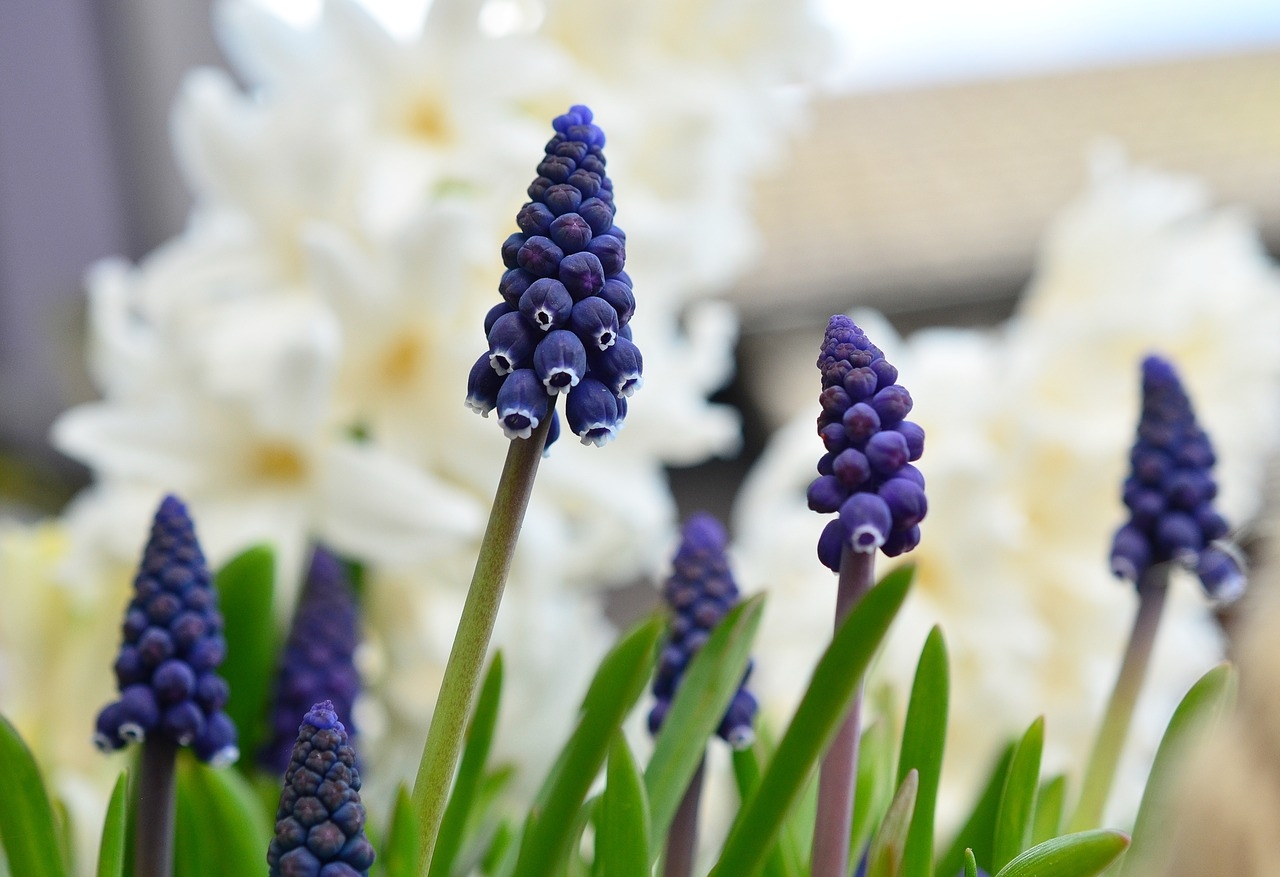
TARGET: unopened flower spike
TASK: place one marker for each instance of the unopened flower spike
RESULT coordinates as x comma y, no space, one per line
866,474
318,659
567,302
700,592
1170,491
173,644
320,820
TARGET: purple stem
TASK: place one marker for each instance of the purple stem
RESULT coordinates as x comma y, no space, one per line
154,854
682,839
840,764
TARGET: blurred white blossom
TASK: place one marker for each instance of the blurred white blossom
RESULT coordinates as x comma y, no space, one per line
1028,432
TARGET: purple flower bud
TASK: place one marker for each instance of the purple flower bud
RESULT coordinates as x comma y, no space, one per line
906,501
595,322
535,218
860,384
1221,574
501,309
834,438
570,232
1178,536
887,452
901,541
867,520
546,304
560,361
173,682
827,494
860,422
914,435
582,274
611,252
592,412
511,343
483,384
598,215
831,544
522,404
511,248
886,375
557,168
620,298
540,256
512,287
620,367
892,404
852,467
562,198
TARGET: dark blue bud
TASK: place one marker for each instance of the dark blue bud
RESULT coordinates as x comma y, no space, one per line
129,667
557,168
139,714
592,412
867,521
560,361
207,654
483,384
852,467
826,464
182,722
511,343
620,367
570,232
906,501
827,494
107,728
860,383
582,274
860,422
831,544
534,219
562,198
501,309
1151,466
538,188
586,182
914,434
887,452
617,233
212,692
886,374
546,304
540,256
611,252
513,285
620,298
1212,524
1221,574
835,401
595,322
522,404
892,404
598,215
511,248
911,472
569,149
173,682
901,541
1178,536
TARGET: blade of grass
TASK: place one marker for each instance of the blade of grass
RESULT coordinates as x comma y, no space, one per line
245,588
886,856
1018,800
746,771
1084,854
970,864
1049,806
825,702
924,736
27,830
400,852
114,828
622,826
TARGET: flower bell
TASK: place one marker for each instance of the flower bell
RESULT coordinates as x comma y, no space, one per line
866,474
173,645
564,280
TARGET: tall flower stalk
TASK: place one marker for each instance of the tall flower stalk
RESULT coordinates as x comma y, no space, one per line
867,477
700,592
562,327
1169,494
170,693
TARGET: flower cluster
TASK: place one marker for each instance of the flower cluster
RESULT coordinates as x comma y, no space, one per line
866,474
173,645
701,591
1170,492
320,820
317,664
562,326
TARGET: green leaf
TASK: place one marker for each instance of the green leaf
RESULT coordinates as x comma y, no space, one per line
970,864
400,851
980,828
221,818
245,592
622,824
706,689
885,858
784,859
462,799
875,783
1049,805
1018,801
114,827
924,735
617,685
826,701
27,830
1084,854
1211,696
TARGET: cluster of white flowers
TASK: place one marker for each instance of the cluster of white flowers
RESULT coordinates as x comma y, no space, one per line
1028,432
293,364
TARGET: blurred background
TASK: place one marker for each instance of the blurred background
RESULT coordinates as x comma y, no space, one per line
943,139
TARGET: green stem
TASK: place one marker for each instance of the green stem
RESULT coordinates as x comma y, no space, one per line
153,856
466,659
840,765
682,839
1101,769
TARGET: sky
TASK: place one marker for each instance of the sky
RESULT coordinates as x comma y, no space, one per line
906,43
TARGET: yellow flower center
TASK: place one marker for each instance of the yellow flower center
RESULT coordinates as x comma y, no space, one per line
403,359
278,462
428,119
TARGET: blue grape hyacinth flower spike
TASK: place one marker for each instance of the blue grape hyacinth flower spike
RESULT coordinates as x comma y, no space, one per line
320,821
167,666
563,326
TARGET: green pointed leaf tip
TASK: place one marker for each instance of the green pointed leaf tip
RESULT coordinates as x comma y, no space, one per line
400,850
246,586
1015,818
1208,699
475,754
622,826
885,856
114,828
924,736
27,831
706,689
825,702
970,864
617,685
1084,854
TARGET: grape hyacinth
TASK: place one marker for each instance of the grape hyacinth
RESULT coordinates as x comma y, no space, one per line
320,820
173,644
1170,490
563,323
700,591
866,473
317,664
